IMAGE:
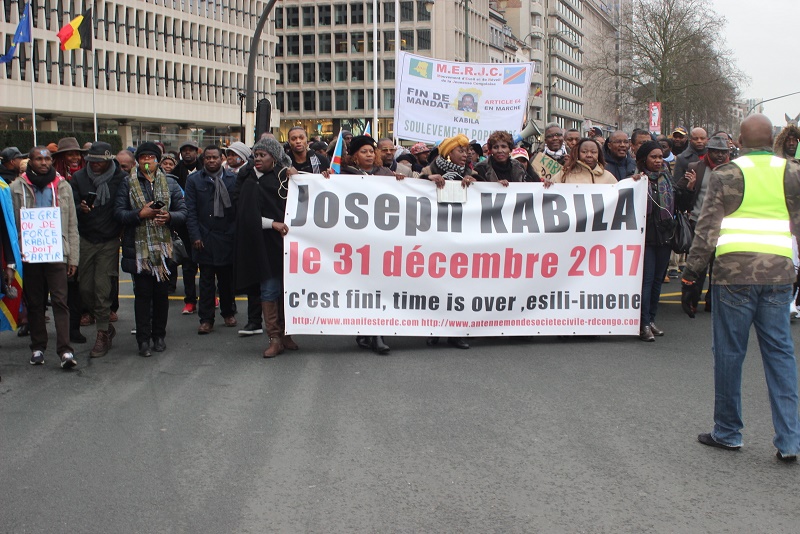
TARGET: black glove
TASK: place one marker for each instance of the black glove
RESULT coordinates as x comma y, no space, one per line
690,297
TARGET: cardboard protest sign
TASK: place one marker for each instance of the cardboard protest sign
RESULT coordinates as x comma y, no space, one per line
40,229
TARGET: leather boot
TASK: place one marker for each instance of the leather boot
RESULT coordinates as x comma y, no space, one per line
270,311
379,346
364,342
101,345
288,342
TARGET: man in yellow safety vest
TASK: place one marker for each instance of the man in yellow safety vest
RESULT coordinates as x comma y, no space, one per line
750,206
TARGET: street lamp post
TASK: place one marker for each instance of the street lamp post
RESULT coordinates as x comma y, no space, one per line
250,100
549,39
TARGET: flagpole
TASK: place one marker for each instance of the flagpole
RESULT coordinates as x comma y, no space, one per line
94,95
33,101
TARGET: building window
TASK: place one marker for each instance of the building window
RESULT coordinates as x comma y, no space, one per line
309,72
406,11
357,38
356,99
308,16
279,73
388,12
293,101
340,14
341,43
292,17
422,13
341,71
292,73
388,99
279,97
324,72
279,47
292,45
341,100
325,101
308,45
356,13
357,71
324,43
423,39
309,101
407,40
324,15
388,69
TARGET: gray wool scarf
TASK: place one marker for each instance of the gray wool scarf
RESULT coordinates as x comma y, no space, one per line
222,198
100,182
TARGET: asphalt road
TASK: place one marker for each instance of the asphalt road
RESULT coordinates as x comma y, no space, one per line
513,435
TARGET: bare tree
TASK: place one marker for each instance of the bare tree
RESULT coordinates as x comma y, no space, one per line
671,51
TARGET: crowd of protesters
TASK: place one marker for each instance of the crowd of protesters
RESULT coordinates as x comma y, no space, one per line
219,212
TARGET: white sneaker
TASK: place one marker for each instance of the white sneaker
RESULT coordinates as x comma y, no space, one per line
68,360
37,358
794,313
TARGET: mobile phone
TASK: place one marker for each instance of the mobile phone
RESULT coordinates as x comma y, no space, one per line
90,199
157,205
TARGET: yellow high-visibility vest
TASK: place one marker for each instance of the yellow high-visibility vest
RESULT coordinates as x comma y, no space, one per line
761,223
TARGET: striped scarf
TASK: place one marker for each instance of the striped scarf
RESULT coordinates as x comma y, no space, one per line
153,242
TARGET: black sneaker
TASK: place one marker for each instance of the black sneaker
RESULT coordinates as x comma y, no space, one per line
144,350
708,439
68,360
251,329
37,358
159,345
787,458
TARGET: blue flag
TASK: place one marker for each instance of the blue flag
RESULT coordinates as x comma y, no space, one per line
23,33
9,55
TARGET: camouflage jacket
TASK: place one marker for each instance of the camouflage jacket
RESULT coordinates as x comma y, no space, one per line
724,196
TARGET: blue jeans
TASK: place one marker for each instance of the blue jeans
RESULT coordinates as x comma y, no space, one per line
656,261
734,308
271,289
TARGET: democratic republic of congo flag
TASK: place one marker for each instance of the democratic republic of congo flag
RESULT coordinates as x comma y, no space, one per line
78,33
338,152
9,308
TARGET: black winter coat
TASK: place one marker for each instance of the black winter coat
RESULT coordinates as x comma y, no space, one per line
129,216
216,233
100,225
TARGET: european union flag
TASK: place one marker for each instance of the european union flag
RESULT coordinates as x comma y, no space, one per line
22,35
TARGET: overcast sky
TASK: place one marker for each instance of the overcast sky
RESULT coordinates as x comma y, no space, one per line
765,38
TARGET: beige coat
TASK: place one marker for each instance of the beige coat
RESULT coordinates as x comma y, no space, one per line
69,217
582,175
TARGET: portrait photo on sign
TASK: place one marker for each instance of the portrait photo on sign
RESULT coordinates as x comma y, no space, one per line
467,102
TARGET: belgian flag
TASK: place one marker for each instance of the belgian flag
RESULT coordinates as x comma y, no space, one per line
78,33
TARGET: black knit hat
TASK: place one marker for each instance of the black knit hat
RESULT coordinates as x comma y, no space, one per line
645,150
359,141
148,147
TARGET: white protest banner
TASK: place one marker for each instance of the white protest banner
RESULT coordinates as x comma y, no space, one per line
437,99
374,256
40,229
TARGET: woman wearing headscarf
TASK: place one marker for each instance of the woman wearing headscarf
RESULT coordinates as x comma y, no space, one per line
658,232
260,207
451,163
585,164
499,166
